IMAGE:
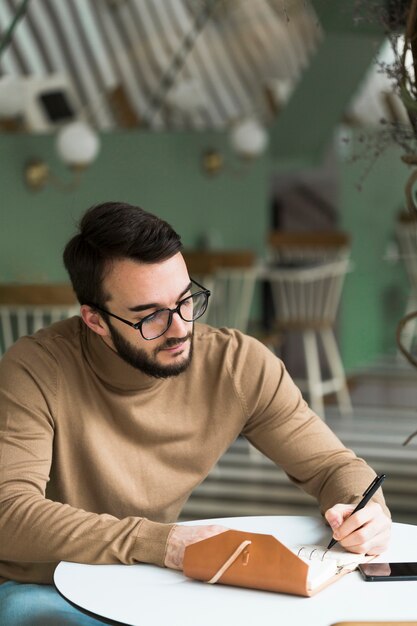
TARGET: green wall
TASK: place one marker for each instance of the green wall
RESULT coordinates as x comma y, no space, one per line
375,293
160,172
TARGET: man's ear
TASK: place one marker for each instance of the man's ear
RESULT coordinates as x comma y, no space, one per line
93,319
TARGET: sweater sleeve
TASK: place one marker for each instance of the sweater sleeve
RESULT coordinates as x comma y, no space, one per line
281,425
32,527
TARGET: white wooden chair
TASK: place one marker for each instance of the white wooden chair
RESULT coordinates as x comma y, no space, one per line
232,297
24,309
18,321
406,233
231,277
306,300
306,277
297,247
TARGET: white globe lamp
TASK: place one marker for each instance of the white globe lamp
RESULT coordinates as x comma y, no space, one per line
248,138
77,144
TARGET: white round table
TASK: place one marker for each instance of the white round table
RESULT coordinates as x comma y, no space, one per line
147,595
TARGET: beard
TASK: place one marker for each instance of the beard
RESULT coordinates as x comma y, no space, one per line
147,363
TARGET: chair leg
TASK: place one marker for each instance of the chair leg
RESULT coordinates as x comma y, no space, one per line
314,382
337,371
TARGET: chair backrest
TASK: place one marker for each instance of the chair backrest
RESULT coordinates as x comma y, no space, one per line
307,297
203,262
287,246
406,232
18,321
231,276
232,297
24,309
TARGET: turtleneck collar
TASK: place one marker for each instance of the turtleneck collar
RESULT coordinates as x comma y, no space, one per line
111,368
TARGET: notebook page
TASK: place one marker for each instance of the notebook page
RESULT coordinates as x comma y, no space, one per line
319,572
340,556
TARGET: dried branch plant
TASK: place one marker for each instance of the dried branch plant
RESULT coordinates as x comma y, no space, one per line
398,19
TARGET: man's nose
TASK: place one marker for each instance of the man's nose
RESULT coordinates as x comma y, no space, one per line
178,328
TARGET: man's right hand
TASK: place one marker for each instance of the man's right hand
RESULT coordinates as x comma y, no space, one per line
183,536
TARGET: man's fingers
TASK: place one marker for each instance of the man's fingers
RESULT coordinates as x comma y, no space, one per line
372,538
354,522
337,514
367,531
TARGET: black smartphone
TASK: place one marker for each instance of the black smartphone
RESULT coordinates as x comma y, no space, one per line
388,571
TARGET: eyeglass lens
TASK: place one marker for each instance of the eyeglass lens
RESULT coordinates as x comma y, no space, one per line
190,309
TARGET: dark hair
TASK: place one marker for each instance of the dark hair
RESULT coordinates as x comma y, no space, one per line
111,231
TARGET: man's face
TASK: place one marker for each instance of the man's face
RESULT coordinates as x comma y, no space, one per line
137,290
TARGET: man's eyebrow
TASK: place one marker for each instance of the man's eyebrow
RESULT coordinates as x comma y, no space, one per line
156,305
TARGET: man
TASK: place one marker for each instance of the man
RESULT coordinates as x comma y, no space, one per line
108,422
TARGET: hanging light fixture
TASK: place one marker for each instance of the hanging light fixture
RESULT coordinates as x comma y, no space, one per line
77,145
248,138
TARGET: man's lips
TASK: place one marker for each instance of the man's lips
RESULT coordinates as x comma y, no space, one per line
175,348
172,345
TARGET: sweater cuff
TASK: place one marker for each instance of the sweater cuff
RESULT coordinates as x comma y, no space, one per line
150,542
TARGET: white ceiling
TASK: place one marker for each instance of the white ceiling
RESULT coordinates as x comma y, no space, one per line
171,64
165,64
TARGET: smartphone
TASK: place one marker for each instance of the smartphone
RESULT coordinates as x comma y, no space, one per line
388,571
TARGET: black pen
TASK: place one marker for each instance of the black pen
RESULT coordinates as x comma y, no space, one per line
367,495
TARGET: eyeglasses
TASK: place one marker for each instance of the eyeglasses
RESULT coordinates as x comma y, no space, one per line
156,324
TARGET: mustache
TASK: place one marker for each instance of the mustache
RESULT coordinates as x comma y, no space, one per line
174,341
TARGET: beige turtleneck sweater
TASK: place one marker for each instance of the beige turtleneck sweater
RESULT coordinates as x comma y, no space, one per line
97,459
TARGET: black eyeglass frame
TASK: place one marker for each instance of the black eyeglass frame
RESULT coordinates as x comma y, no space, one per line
138,325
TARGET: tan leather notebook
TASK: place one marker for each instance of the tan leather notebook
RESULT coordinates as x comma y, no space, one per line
260,561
